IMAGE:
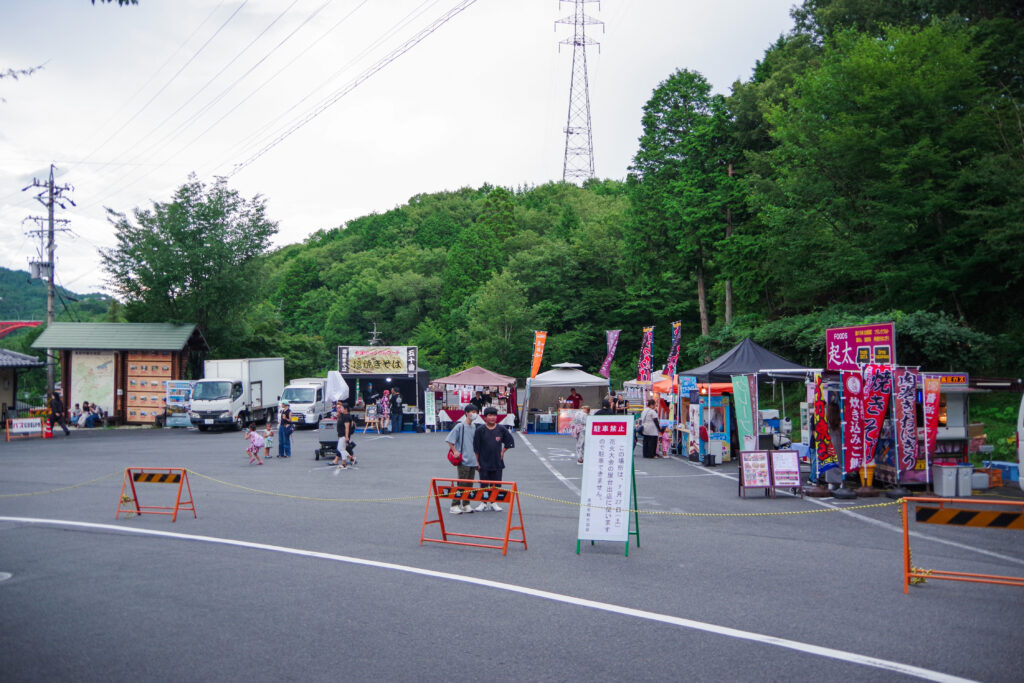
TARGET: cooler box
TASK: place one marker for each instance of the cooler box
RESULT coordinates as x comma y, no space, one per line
1009,469
963,480
944,479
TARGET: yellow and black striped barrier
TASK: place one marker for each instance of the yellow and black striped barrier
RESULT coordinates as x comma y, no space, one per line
157,477
990,519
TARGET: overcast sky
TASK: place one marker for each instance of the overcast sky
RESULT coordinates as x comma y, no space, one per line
130,100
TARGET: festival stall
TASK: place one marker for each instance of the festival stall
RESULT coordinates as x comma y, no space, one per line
545,407
728,397
637,391
372,370
453,392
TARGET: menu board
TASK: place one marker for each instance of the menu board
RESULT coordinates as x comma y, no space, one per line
785,469
754,469
607,478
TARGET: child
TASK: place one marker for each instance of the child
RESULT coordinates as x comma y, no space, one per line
255,444
268,439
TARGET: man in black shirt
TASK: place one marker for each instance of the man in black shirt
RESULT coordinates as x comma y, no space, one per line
490,442
346,424
57,413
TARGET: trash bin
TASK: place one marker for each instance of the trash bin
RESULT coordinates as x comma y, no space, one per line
963,480
944,480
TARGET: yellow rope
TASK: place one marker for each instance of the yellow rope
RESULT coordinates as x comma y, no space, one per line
294,497
63,488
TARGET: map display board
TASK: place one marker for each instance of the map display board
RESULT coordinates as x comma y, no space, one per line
606,489
92,378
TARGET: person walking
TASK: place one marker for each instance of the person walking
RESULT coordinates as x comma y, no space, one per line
396,412
384,411
285,428
346,425
255,442
461,439
578,427
650,427
57,413
490,441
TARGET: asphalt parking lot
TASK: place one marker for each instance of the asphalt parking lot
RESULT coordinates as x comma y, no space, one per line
299,571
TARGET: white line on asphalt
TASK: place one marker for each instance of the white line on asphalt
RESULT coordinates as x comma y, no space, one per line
831,653
558,475
891,527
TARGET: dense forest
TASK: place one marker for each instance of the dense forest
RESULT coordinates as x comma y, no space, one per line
871,169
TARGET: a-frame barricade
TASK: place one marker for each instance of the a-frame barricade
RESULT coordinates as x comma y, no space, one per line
464,490
129,503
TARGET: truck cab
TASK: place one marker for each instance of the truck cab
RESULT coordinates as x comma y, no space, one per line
307,402
217,402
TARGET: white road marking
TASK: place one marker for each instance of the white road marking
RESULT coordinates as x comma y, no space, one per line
890,527
807,648
558,475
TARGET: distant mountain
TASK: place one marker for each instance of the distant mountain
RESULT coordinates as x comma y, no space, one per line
22,298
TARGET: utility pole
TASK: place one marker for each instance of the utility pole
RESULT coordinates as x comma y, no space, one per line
578,163
51,195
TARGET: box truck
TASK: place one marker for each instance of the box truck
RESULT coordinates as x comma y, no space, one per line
307,399
237,391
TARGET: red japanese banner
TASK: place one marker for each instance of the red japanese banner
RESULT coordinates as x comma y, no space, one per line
539,338
877,389
824,448
853,420
905,402
932,384
673,355
613,343
643,370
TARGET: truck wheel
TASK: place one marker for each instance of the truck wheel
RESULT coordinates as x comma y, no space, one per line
316,453
239,422
202,428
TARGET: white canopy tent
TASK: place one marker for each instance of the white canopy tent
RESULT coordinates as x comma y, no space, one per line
543,390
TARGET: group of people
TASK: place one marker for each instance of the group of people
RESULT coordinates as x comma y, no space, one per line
481,452
649,425
84,415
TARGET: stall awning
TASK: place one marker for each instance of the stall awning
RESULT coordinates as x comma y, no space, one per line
476,376
744,358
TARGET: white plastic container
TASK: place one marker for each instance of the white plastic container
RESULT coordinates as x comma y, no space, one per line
963,480
944,480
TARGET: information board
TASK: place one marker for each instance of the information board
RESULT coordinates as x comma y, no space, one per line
23,427
429,409
754,471
606,489
785,469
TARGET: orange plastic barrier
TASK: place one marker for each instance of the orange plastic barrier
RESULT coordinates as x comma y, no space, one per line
962,517
464,490
24,428
155,475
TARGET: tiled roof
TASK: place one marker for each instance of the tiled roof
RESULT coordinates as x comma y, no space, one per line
13,359
119,336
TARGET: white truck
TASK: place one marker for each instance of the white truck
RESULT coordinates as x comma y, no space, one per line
307,399
237,391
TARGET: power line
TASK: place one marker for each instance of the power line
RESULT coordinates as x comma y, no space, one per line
387,59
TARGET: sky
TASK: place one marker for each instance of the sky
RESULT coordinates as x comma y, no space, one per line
131,100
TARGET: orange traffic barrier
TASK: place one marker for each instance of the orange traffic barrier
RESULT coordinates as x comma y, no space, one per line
24,428
463,490
962,517
129,504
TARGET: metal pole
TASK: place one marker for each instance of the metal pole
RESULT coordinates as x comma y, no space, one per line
49,288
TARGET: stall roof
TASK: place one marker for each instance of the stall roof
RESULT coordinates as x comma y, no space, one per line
476,376
120,336
13,359
744,358
567,377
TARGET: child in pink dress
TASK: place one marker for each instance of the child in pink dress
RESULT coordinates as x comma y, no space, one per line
255,444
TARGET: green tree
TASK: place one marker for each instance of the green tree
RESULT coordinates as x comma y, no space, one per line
499,326
193,259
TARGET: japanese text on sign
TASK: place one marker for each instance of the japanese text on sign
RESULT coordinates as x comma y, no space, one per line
607,479
849,348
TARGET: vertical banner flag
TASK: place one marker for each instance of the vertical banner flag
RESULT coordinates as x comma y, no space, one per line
931,413
538,351
824,449
877,389
613,343
853,420
673,355
643,371
744,390
905,399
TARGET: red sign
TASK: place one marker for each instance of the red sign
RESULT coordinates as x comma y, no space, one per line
853,420
611,428
931,413
539,338
877,389
905,400
825,451
851,348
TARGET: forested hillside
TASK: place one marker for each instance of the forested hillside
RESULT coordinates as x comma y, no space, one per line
871,169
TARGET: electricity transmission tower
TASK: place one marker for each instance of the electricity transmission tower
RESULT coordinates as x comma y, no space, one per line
50,196
579,143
